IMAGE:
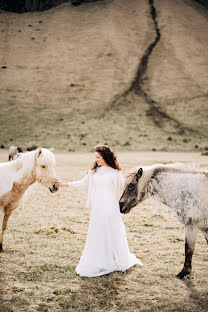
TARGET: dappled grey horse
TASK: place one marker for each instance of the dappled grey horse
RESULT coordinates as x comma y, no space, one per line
182,189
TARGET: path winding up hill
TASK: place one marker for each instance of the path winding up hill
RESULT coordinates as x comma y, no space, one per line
130,73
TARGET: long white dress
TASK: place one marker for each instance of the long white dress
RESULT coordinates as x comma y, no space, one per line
106,248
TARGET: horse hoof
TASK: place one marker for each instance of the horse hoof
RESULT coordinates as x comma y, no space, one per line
182,274
1,250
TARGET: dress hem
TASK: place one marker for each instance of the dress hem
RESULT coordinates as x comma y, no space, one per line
116,269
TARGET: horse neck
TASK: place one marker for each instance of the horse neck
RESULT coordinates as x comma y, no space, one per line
170,188
158,187
27,175
27,181
22,186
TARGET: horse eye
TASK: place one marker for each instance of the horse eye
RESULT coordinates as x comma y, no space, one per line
131,186
43,166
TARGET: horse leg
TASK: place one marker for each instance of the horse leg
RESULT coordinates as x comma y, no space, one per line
190,240
205,233
1,223
4,226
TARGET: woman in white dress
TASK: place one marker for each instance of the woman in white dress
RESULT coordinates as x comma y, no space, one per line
106,248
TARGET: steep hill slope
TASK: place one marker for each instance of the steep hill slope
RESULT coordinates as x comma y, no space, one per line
132,74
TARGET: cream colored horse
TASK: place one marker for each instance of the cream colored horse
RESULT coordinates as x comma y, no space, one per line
17,175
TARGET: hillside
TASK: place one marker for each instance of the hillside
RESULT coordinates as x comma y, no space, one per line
132,74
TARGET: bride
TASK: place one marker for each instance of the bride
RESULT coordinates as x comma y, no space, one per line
106,248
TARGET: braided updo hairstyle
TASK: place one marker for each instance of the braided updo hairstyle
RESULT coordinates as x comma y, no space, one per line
108,155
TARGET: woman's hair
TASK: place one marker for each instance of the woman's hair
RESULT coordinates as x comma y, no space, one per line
108,155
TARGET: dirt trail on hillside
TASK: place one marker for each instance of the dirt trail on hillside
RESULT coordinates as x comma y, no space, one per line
78,76
178,66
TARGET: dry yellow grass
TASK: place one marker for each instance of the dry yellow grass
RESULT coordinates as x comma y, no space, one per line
45,239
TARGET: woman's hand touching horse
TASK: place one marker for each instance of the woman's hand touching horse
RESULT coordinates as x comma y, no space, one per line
60,183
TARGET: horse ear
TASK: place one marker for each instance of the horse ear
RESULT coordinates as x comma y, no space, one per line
52,149
140,171
139,174
38,152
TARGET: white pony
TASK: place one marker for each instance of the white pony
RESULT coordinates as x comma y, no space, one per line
17,175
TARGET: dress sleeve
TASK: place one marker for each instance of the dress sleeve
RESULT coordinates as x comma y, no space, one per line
80,183
120,183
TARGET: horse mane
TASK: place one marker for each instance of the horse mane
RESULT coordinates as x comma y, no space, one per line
152,171
24,163
26,159
177,168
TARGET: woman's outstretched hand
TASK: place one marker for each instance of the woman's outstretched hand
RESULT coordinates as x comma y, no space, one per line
130,173
60,183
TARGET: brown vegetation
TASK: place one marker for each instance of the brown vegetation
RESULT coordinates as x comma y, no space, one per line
129,73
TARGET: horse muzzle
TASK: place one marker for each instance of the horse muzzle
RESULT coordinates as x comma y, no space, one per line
54,188
123,209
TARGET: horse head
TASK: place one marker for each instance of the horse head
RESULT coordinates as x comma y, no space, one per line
131,195
44,169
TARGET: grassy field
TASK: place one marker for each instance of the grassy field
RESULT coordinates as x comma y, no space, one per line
46,236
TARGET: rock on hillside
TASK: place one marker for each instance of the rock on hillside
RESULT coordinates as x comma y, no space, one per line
131,74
